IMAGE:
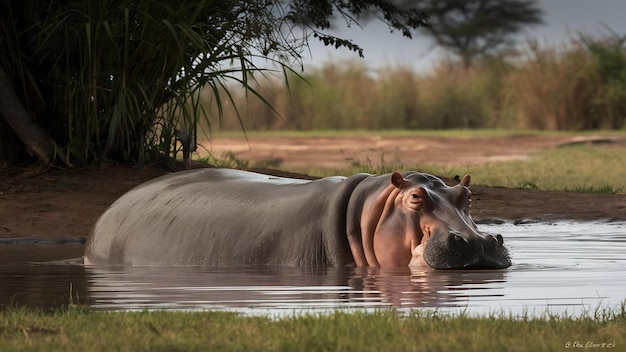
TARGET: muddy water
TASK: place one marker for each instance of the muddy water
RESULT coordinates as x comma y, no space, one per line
563,267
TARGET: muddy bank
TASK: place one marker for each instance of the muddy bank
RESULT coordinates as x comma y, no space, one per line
64,205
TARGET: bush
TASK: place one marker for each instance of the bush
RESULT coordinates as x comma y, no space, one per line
549,88
608,61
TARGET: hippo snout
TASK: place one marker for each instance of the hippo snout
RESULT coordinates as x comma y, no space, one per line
456,250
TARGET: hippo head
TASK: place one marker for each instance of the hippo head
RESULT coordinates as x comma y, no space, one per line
445,236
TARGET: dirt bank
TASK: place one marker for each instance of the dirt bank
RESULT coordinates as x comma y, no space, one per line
64,204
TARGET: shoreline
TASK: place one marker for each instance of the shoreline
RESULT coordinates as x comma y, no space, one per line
63,206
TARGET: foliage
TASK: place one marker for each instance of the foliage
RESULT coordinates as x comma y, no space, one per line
318,15
473,28
456,97
116,78
608,62
105,71
551,88
576,86
336,96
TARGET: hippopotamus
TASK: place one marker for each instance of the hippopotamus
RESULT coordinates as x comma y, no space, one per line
222,217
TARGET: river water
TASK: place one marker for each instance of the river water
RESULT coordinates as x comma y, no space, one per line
564,268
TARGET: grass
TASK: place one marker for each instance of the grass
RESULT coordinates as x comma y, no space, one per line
578,168
575,168
586,169
82,329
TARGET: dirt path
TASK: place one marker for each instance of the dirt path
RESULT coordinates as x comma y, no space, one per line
60,204
339,152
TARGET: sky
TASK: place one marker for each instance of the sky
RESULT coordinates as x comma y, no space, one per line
563,19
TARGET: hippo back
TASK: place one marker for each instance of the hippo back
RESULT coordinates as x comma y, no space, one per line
217,217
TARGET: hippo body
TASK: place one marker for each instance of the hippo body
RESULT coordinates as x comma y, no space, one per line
221,217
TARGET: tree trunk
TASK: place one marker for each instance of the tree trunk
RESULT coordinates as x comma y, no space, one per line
185,136
13,112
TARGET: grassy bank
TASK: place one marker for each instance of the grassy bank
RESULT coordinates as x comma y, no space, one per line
81,329
581,168
575,168
587,169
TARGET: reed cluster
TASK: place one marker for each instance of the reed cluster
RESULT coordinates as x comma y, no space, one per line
120,79
578,85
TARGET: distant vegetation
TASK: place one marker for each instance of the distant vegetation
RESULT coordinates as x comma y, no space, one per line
576,86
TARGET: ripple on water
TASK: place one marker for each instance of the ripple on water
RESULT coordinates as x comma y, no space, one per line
561,267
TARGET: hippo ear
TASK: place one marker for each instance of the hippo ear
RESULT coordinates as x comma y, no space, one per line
465,181
397,180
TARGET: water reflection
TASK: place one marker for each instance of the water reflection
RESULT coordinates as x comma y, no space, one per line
45,286
281,288
25,281
565,267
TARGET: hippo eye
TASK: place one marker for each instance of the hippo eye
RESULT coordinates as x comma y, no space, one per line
415,196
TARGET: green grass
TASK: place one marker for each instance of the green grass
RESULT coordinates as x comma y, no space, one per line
83,329
575,169
579,168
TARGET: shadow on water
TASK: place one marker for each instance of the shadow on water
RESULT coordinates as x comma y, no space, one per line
563,267
41,274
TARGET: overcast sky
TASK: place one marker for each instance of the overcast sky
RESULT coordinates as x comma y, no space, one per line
563,19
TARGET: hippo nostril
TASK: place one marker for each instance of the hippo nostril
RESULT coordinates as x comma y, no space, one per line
494,240
458,238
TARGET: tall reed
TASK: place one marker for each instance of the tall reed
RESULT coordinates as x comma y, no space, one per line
551,88
573,86
116,78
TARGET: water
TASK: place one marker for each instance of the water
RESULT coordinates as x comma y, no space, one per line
568,268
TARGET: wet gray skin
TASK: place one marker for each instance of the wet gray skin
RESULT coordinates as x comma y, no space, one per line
218,218
455,241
